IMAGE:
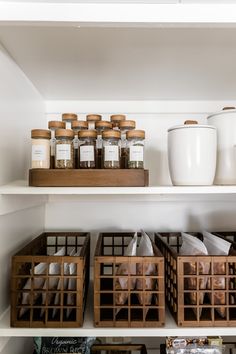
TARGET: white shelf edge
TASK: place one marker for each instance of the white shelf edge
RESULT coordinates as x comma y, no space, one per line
20,187
170,329
105,14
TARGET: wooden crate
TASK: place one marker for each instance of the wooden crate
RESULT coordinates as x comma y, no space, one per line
109,254
201,313
88,178
41,250
118,349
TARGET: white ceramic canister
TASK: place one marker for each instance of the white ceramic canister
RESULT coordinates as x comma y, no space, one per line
225,123
192,150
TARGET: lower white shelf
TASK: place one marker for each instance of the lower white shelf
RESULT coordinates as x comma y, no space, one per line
88,330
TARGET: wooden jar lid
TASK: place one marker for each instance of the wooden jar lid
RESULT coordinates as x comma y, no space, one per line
135,134
56,124
78,124
69,117
87,134
93,117
41,133
127,124
117,117
103,124
64,133
111,134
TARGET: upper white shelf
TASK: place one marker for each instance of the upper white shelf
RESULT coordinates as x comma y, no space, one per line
128,14
21,188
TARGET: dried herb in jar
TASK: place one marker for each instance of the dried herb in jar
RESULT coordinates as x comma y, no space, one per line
87,148
53,125
116,119
101,126
111,149
125,126
136,139
92,119
64,148
68,118
77,126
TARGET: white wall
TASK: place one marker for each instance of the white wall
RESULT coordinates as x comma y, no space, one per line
21,109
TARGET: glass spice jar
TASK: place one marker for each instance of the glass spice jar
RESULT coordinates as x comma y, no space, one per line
87,148
64,148
125,126
135,143
68,118
111,149
101,126
92,119
40,144
116,119
77,126
53,125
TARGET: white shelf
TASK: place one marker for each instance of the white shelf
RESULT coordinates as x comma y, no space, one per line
118,13
170,329
21,187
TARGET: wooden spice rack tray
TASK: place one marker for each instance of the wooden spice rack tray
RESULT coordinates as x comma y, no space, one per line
88,178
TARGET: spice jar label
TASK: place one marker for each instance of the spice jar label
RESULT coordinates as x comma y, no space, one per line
63,152
111,153
38,152
136,153
86,153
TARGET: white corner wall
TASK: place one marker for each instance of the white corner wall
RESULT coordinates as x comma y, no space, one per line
21,109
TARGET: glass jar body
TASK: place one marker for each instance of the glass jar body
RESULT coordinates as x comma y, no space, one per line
40,157
135,148
87,152
124,148
111,153
64,157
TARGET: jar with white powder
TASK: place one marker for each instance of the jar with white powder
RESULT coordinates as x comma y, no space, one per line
64,148
40,142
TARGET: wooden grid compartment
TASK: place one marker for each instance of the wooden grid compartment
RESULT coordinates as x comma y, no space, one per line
41,309
197,305
147,312
118,349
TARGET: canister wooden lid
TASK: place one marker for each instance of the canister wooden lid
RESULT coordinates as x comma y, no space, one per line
78,124
87,133
41,133
56,124
191,122
69,117
135,134
66,133
93,117
117,117
127,124
111,134
103,124
227,108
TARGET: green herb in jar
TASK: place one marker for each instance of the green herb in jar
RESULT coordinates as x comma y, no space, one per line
87,148
111,149
125,126
136,140
64,148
